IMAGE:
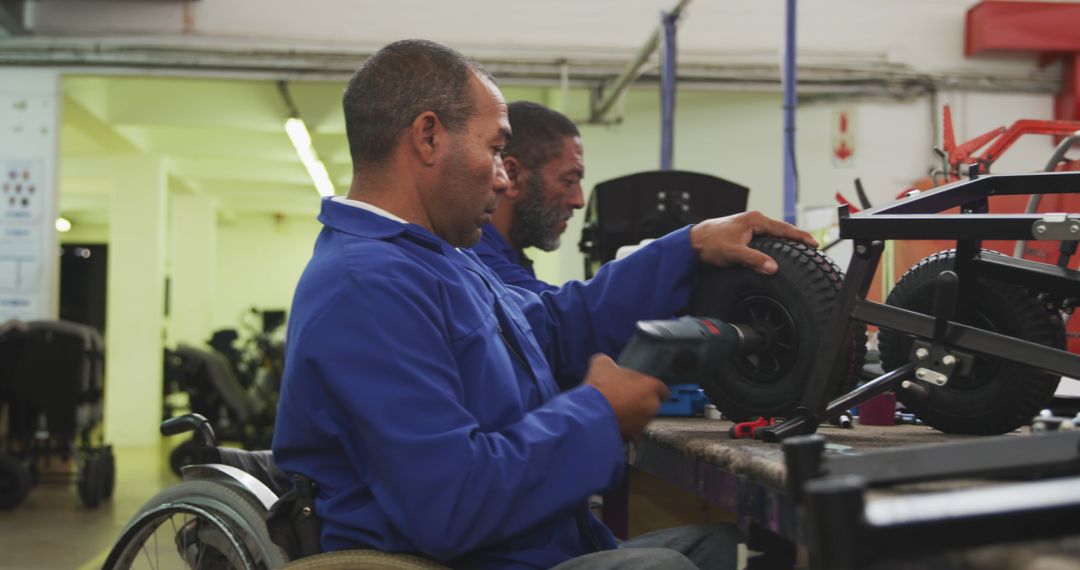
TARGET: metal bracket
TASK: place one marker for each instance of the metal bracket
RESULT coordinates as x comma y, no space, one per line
935,364
1056,226
928,375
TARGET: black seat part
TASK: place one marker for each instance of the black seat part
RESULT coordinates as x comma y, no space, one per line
647,205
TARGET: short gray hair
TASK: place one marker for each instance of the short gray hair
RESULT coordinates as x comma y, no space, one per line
398,83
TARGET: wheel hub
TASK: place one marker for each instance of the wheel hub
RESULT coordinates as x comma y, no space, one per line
774,357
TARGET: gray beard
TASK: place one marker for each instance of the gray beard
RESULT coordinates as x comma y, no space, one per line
536,224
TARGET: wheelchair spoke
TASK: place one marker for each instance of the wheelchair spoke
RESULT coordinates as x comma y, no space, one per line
213,529
200,546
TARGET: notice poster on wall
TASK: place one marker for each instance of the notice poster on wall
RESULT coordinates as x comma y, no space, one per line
21,190
21,247
29,264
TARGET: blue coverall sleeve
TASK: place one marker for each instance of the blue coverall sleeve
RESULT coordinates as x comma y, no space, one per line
396,401
583,318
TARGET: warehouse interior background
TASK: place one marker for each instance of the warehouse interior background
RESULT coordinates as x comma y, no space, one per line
171,147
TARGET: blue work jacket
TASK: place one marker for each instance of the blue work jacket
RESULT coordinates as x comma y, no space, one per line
418,393
508,263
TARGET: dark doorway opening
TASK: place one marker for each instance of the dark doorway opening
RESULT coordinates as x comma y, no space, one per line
83,273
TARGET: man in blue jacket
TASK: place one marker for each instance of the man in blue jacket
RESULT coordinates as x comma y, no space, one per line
418,390
545,164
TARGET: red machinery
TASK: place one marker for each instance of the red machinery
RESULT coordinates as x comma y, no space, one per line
957,157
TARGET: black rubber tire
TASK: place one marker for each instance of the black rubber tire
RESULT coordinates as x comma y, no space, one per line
804,291
15,482
187,453
998,396
109,481
91,483
239,516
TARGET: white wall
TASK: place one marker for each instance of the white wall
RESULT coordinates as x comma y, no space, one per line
86,233
738,136
734,135
260,259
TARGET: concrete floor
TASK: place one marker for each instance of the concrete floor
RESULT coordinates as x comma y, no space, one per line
53,530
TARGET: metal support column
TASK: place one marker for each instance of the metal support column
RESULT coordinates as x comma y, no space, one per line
667,91
790,80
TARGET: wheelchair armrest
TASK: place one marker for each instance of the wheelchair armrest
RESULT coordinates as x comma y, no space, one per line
233,477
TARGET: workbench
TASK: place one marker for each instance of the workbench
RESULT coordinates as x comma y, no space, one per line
747,477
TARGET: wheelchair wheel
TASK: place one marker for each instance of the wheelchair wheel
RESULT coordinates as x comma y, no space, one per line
792,309
197,524
15,482
998,396
109,460
91,483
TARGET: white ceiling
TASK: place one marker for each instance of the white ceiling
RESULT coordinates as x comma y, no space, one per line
217,137
223,138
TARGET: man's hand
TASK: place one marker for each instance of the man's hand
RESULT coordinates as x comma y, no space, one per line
722,241
635,397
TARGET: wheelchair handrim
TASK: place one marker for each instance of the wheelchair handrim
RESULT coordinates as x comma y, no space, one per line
123,555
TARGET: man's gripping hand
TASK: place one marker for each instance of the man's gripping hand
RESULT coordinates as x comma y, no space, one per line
722,241
635,397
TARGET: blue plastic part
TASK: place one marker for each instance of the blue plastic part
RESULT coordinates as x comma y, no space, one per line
685,400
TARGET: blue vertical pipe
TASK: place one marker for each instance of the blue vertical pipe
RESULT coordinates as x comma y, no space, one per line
790,79
667,93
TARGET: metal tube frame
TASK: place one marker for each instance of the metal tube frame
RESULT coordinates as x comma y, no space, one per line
845,531
918,217
848,533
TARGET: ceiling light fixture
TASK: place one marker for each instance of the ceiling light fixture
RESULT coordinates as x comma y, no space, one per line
63,225
301,141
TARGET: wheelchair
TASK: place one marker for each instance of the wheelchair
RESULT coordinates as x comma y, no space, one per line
242,409
235,509
51,406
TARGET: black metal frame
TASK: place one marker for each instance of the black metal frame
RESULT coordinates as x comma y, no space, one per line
918,217
1041,455
845,531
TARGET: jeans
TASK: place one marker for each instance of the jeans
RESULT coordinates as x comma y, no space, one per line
692,547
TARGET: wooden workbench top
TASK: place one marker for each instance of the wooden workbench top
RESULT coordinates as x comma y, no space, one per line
707,441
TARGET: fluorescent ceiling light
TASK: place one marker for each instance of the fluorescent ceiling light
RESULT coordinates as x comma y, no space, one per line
63,225
301,141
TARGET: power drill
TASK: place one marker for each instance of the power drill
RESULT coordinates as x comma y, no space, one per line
681,351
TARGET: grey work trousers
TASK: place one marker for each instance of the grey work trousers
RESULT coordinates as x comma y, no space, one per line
692,547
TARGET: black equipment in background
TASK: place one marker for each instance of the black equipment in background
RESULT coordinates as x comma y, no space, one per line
242,413
272,320
628,209
52,380
233,381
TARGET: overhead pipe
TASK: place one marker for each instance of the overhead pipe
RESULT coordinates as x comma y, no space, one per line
13,16
667,92
632,70
790,82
